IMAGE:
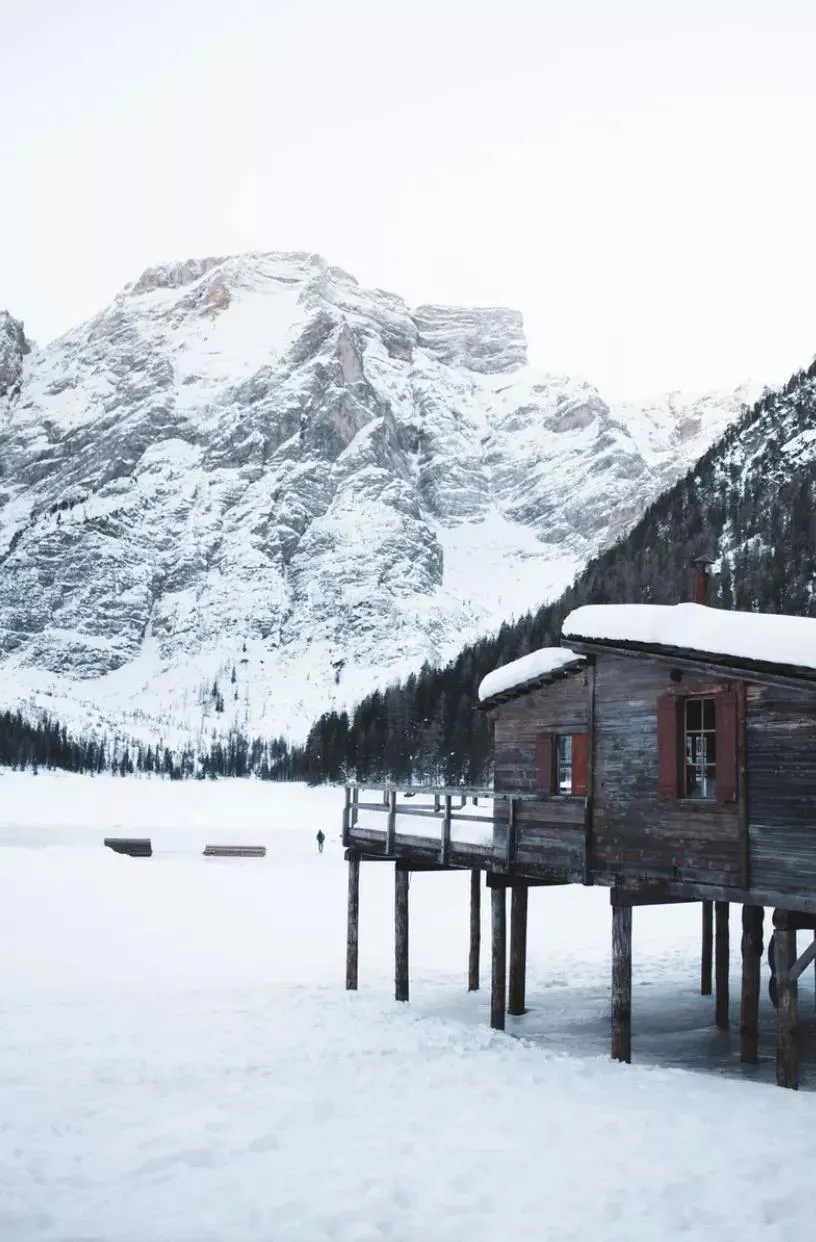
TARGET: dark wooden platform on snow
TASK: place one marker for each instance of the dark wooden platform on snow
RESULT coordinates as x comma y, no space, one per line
135,847
235,851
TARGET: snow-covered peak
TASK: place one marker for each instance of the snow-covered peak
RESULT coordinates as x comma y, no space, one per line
254,473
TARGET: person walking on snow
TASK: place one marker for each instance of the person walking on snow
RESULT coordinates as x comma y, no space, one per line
321,837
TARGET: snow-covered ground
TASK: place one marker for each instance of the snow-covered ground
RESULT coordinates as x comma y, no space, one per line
180,1061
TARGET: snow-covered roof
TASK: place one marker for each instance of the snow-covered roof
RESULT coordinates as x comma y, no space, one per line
531,670
762,638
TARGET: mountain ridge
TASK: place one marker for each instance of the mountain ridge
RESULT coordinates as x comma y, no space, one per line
252,473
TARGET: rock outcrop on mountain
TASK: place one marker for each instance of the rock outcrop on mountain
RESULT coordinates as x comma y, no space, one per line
251,489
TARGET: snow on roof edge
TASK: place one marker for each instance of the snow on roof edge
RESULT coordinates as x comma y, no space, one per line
767,638
530,668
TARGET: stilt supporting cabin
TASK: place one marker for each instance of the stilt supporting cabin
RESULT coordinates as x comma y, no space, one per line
721,954
518,950
353,921
402,877
707,948
498,983
475,930
752,918
787,1074
621,978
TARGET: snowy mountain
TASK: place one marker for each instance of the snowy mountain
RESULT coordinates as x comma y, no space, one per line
252,490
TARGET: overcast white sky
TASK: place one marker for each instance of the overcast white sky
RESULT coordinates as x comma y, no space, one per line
636,176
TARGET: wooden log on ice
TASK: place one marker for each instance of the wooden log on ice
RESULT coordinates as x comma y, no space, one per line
235,851
135,847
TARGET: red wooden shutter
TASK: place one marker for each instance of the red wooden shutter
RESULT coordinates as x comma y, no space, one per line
580,763
544,763
668,745
726,722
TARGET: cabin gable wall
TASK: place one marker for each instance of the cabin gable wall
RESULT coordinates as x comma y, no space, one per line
549,832
562,706
636,832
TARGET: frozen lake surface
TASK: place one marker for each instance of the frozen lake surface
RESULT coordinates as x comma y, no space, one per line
180,1062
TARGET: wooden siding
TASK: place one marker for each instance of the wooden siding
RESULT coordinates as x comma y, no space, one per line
562,707
549,833
635,831
781,763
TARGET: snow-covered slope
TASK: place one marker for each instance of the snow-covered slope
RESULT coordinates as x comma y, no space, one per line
251,484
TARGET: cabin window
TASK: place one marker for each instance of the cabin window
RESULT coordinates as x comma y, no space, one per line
697,746
562,763
563,775
700,737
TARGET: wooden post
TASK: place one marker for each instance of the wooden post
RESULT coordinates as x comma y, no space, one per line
353,922
475,930
752,917
444,849
498,911
518,949
391,828
347,818
708,948
401,881
721,953
621,981
510,844
786,992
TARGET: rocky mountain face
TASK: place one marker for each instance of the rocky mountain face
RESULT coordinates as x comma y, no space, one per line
250,490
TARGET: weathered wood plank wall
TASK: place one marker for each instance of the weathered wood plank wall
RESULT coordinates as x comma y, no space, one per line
635,831
549,833
781,777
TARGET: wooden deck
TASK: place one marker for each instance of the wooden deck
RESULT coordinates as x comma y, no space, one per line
458,828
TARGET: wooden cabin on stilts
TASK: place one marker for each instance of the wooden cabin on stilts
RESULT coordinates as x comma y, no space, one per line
667,753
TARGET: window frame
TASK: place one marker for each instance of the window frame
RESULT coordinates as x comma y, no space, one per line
729,727
549,760
703,735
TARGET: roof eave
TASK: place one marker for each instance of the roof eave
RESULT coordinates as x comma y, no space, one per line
536,683
759,671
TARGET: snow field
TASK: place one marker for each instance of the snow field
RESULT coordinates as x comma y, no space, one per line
180,1061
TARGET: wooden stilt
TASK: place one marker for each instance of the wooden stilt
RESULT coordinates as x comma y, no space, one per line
786,990
353,922
518,950
475,930
621,981
707,948
498,910
721,954
401,881
752,917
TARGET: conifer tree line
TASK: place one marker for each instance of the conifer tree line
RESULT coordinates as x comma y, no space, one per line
47,744
749,502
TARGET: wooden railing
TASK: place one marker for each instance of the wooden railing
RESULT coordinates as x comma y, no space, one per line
448,808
